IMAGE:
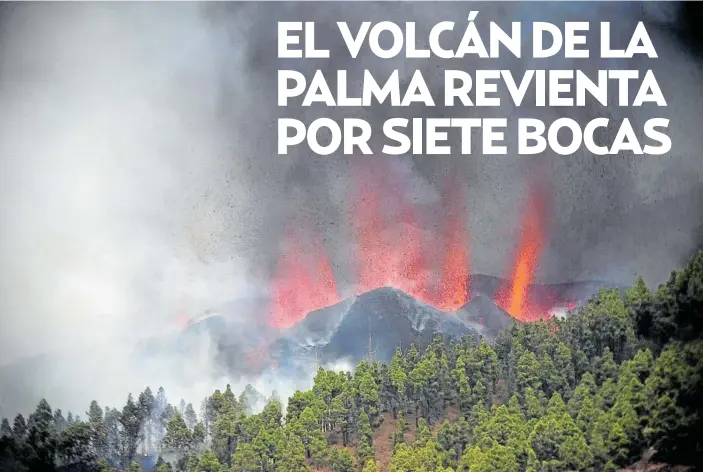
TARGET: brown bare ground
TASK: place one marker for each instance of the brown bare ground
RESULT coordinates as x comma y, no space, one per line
383,445
646,465
649,467
383,442
383,435
383,438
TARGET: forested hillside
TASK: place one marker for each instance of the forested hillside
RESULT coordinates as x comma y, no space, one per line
598,390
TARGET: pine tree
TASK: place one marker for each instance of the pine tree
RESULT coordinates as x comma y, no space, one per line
370,466
398,381
293,457
135,467
208,462
178,437
98,430
19,429
5,429
245,459
365,448
401,428
147,405
341,460
41,438
189,415
60,423
131,422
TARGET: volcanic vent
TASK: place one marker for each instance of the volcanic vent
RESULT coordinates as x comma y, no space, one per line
410,277
393,247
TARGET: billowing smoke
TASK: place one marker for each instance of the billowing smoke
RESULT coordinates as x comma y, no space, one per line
140,183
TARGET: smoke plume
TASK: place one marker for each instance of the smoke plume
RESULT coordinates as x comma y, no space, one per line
140,183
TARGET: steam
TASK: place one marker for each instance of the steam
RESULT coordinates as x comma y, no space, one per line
140,183
123,195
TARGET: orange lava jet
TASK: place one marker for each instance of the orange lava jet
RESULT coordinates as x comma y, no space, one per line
304,282
515,296
392,250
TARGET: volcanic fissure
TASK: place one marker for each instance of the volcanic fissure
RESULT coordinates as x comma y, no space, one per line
392,250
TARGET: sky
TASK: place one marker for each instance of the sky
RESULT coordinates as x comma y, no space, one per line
139,180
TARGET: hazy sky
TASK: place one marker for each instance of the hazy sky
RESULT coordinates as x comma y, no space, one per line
139,181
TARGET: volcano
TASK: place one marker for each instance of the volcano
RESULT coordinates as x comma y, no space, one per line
237,335
369,326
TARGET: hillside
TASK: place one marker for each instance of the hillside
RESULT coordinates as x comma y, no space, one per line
372,324
615,386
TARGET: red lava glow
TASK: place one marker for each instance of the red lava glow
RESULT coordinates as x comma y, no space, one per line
391,248
452,287
515,296
394,247
304,282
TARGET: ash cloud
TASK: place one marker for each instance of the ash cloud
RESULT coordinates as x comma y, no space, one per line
613,217
140,183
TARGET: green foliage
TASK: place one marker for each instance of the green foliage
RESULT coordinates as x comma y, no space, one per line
40,444
675,311
370,466
208,462
131,422
365,448
673,395
293,455
453,437
135,467
178,437
75,445
591,392
103,466
401,428
341,460
246,459
162,466
492,458
418,457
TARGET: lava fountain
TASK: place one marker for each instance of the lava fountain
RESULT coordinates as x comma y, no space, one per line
451,289
304,281
389,243
515,296
393,251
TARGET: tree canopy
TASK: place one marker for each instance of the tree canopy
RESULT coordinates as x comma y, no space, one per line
595,391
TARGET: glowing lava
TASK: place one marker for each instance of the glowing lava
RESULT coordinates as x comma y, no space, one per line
515,296
391,248
304,282
451,290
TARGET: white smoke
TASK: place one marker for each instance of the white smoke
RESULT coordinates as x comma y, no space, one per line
137,186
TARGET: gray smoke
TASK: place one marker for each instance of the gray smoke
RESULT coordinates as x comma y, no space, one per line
140,183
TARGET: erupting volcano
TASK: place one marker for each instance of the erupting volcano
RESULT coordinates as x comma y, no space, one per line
393,251
389,250
394,247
